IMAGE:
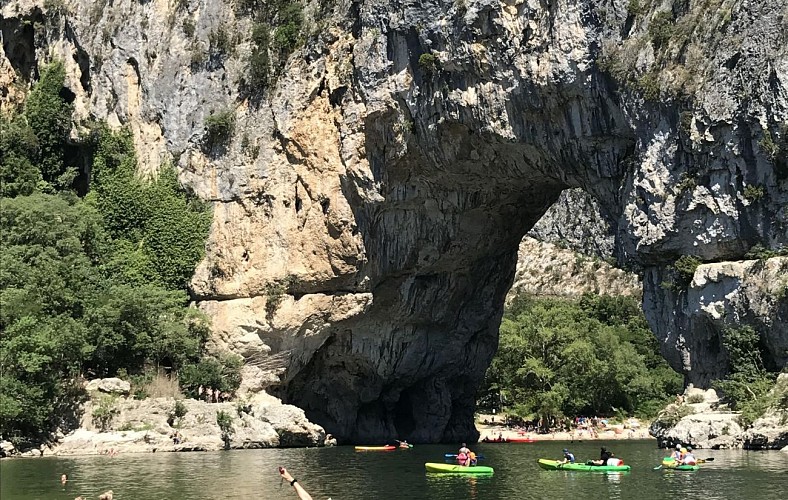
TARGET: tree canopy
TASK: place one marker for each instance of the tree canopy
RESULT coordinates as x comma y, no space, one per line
561,357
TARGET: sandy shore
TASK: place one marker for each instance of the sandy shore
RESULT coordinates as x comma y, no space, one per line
607,434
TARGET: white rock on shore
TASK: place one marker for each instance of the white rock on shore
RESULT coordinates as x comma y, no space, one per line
145,426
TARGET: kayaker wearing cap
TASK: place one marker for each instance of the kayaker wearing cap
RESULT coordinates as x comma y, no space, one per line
689,457
568,457
676,455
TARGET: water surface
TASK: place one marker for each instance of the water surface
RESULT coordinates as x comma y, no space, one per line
344,474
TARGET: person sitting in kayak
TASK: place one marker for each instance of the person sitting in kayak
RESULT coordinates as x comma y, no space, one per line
677,455
463,460
689,457
604,456
472,458
464,449
569,458
403,443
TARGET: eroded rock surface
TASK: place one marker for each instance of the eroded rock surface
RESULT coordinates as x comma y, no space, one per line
369,207
149,426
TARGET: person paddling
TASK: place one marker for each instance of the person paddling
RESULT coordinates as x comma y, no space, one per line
568,457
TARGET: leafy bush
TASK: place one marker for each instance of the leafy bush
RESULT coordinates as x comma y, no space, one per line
178,412
225,422
290,21
747,386
661,28
223,374
696,398
219,127
49,117
671,416
754,193
681,273
259,61
428,63
104,413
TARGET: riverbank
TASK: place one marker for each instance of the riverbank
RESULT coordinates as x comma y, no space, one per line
639,430
113,424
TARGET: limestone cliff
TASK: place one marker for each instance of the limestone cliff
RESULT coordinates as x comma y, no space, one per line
369,205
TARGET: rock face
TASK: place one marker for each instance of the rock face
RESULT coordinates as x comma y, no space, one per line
698,420
692,322
545,269
369,207
695,420
575,221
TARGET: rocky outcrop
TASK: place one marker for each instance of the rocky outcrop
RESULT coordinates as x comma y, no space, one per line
546,269
150,425
576,222
369,207
109,386
698,419
692,322
771,430
695,420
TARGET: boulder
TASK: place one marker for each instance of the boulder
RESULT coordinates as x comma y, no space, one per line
715,430
111,385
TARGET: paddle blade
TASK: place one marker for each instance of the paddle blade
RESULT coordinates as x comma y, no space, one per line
658,467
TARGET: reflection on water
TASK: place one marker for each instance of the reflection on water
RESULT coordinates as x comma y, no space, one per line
342,474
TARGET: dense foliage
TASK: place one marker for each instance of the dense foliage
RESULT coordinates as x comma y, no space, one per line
88,287
748,385
595,356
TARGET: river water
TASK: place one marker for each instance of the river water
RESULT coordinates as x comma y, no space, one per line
344,474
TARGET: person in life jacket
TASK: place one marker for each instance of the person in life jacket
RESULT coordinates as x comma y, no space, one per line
462,459
472,458
689,457
677,455
568,457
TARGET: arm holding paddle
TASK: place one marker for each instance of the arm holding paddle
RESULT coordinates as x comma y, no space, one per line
301,492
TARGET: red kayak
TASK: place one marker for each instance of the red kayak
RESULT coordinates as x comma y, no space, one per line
522,440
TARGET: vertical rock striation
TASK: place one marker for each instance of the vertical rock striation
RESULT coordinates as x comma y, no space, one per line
369,206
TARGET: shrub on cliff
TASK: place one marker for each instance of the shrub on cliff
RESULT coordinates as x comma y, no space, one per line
747,386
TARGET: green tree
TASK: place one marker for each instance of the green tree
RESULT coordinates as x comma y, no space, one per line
559,357
18,175
49,117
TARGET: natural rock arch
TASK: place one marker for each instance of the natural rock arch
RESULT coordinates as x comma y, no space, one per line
368,210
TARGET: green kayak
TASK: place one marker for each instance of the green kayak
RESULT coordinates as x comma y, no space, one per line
457,469
669,463
555,465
